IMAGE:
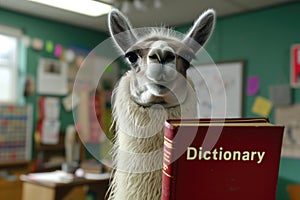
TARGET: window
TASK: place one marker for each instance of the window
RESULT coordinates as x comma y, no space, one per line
9,64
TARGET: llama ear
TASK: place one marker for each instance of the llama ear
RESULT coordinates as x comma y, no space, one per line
201,30
118,23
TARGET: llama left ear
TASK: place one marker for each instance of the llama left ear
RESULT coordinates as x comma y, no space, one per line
200,32
118,23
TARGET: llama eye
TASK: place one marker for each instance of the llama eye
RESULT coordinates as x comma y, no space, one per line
132,57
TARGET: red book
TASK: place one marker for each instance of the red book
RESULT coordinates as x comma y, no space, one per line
216,159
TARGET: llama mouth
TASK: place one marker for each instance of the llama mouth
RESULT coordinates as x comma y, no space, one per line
159,89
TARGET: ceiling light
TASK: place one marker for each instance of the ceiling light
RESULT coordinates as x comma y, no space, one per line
157,4
139,5
85,7
125,7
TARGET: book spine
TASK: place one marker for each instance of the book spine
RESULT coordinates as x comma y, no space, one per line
169,167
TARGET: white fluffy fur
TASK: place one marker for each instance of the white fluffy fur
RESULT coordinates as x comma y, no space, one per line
138,148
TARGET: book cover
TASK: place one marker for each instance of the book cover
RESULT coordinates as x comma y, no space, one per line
221,159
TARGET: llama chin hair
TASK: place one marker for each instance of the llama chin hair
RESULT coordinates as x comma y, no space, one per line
158,89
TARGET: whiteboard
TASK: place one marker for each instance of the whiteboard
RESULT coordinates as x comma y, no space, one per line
219,89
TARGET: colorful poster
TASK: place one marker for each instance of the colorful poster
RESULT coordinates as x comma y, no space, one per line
295,66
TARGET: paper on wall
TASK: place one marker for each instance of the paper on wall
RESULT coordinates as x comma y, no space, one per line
52,77
290,118
50,131
49,108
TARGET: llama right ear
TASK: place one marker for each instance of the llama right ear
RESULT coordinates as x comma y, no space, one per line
118,23
200,32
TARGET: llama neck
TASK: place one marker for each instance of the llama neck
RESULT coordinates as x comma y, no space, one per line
139,130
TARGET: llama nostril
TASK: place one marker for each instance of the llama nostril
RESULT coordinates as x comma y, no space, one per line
162,56
169,56
155,57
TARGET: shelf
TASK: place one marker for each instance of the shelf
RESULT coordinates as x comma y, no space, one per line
14,163
44,147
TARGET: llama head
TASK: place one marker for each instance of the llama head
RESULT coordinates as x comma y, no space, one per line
159,59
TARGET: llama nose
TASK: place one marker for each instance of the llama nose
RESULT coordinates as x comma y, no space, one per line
161,56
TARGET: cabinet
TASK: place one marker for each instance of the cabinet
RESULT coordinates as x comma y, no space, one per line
10,184
51,157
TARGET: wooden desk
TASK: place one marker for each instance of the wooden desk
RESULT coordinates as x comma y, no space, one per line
36,190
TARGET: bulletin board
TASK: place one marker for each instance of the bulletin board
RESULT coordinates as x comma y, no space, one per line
15,133
219,89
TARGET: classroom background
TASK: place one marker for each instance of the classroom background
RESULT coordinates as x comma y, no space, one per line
261,40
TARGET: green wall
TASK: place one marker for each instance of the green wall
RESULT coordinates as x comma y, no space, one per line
262,39
59,33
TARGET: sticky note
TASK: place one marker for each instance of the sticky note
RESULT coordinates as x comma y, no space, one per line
262,106
37,44
58,50
252,85
69,55
49,46
26,41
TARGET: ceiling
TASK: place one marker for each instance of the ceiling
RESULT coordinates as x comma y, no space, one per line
170,13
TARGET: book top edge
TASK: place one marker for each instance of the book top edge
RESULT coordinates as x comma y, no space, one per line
218,122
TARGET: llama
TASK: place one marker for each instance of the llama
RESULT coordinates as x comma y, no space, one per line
154,89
